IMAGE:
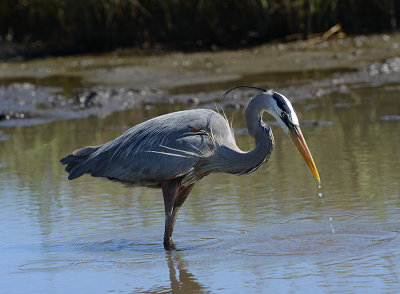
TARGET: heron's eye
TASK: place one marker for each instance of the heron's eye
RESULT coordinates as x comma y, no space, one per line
284,115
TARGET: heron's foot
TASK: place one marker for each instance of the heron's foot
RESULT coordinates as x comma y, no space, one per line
168,244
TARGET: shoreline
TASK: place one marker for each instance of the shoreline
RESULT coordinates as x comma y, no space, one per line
58,88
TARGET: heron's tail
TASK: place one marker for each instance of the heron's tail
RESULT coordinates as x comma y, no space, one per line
77,163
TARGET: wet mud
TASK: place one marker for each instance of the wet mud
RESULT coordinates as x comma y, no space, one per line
50,89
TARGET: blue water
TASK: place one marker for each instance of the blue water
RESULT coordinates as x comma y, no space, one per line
267,232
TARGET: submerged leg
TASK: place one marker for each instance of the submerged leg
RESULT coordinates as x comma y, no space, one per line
170,192
174,196
183,193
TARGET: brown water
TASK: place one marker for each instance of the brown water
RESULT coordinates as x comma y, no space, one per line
266,232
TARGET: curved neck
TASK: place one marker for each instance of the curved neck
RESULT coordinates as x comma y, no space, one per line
262,135
235,161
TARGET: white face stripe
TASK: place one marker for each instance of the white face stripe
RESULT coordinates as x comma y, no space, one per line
291,114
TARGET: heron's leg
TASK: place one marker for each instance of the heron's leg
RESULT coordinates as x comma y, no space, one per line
183,193
170,191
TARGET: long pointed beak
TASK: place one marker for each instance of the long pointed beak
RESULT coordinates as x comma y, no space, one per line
298,139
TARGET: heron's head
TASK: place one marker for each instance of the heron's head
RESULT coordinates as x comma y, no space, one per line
280,107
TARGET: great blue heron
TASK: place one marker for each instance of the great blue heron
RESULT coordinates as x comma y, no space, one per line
175,150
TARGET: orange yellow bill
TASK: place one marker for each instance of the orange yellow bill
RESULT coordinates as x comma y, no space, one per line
298,139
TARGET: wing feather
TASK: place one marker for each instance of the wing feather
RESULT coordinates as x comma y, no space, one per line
160,148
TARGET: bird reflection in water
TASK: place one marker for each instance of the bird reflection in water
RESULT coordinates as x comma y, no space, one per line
182,281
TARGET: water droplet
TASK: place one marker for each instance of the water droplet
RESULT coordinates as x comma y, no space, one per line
331,225
320,194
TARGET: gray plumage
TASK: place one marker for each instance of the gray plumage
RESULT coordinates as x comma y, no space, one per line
175,150
188,144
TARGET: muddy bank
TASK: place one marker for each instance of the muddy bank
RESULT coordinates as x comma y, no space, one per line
51,89
27,104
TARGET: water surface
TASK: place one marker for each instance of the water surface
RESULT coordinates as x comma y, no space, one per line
266,232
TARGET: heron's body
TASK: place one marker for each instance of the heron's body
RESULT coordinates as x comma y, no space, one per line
187,144
174,151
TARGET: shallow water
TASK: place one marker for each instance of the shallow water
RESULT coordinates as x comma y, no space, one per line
265,232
